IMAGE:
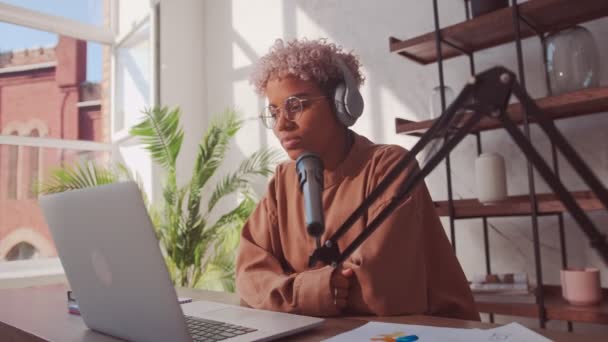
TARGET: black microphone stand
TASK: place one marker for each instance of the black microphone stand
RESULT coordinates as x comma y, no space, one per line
485,95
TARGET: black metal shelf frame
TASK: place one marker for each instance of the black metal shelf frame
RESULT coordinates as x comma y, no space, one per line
439,40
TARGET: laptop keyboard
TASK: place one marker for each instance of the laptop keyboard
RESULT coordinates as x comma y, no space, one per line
203,330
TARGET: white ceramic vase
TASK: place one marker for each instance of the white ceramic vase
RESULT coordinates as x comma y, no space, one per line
490,178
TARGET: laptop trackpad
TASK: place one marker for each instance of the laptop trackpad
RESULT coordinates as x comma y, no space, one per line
231,315
258,319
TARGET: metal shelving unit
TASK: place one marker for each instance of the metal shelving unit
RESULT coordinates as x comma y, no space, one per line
513,24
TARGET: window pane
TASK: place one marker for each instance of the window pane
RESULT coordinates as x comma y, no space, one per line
86,11
17,38
13,159
22,251
54,84
133,77
33,170
21,220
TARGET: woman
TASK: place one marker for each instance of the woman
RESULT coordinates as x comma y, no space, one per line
406,266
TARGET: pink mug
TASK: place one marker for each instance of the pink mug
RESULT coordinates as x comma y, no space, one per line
581,286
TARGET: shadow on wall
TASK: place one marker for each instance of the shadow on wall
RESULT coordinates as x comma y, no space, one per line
232,82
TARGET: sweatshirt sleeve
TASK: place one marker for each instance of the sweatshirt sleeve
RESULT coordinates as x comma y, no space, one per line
264,281
407,265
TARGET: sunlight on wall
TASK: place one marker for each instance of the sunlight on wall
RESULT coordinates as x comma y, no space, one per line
258,27
131,12
253,134
309,26
239,58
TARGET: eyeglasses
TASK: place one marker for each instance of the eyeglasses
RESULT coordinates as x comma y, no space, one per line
293,107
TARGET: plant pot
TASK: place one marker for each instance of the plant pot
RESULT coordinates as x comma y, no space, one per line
581,286
479,7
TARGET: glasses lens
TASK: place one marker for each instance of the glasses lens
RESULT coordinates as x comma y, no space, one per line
293,108
268,118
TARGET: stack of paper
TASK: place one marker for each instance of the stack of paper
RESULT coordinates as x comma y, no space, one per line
390,332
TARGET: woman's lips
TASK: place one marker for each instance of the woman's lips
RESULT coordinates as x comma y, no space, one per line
291,143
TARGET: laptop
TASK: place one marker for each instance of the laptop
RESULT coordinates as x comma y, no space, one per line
113,262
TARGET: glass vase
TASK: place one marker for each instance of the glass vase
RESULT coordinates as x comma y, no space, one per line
572,60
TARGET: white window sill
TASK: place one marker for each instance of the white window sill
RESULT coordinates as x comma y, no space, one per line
33,272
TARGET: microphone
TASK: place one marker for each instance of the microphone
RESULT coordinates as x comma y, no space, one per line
310,177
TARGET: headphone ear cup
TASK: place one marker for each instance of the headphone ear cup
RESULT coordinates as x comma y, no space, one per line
347,98
340,106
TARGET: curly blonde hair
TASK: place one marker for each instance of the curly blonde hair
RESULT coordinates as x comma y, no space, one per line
306,59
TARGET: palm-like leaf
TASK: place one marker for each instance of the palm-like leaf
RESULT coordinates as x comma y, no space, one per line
197,253
219,274
82,175
259,163
161,134
211,153
220,270
214,145
238,215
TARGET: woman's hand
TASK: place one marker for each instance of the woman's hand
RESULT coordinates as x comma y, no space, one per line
340,284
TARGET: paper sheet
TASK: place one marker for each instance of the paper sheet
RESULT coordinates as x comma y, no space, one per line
513,332
388,332
377,331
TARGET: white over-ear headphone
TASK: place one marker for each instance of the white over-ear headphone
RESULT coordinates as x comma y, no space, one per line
348,102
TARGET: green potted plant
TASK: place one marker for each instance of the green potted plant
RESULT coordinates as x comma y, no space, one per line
199,250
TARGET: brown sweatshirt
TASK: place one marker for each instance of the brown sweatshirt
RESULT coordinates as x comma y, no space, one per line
407,266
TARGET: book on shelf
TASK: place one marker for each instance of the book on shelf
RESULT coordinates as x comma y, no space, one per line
502,288
528,296
492,287
500,278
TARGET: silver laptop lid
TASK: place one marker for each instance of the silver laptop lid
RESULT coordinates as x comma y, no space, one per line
108,248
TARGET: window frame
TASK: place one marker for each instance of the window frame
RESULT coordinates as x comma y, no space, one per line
122,134
55,24
106,36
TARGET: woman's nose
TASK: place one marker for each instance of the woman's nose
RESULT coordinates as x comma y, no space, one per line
283,123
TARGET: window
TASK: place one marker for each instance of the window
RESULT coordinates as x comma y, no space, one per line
23,162
54,87
13,170
22,251
133,78
34,167
84,11
59,63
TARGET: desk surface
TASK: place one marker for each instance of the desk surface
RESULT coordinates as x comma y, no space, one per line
40,314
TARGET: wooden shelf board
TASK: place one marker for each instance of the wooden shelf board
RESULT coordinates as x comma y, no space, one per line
510,309
496,28
557,308
516,206
577,103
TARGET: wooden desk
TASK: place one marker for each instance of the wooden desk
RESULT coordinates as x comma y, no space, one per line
40,314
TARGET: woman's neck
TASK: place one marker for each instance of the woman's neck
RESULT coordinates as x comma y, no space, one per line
338,151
